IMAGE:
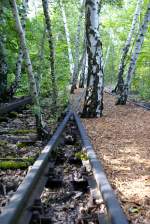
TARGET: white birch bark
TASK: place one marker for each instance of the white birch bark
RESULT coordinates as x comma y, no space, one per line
51,53
77,43
32,82
3,61
93,104
84,70
70,56
12,89
125,50
137,49
3,71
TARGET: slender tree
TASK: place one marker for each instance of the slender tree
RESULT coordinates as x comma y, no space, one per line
33,89
14,86
3,71
126,48
51,48
137,49
93,104
70,56
3,62
77,44
84,70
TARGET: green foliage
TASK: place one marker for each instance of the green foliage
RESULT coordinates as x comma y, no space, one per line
116,23
116,17
81,155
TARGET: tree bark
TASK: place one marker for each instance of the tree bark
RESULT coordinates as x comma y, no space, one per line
137,49
3,63
3,71
71,63
13,88
93,104
120,82
84,70
33,89
77,43
51,48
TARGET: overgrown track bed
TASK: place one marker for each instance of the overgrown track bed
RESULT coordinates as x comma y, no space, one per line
64,184
18,139
6,108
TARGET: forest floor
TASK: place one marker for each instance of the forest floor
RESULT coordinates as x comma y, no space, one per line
121,139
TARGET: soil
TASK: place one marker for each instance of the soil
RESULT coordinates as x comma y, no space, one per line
121,139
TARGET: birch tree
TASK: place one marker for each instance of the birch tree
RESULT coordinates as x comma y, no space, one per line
93,104
137,49
12,89
84,70
3,71
3,62
77,44
126,48
33,89
70,56
51,48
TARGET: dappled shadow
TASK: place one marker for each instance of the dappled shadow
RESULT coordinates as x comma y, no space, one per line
121,139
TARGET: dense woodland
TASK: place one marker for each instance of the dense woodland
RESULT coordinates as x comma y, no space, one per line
49,48
72,59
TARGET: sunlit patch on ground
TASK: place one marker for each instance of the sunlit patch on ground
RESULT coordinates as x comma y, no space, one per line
121,139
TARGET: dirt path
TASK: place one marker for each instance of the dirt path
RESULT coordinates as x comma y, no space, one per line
121,139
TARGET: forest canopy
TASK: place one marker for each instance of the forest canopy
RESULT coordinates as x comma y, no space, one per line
47,48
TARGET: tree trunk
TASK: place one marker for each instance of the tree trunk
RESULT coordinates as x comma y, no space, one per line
93,104
84,70
137,49
3,63
120,82
13,88
3,71
51,48
71,63
77,43
33,89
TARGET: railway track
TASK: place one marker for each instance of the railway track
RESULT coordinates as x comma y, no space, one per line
139,104
66,184
15,105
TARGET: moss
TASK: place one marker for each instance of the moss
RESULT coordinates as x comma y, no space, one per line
24,144
13,165
17,163
81,155
13,114
3,143
23,131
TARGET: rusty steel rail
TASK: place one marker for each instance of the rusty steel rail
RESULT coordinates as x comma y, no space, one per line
114,209
15,105
19,211
139,104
